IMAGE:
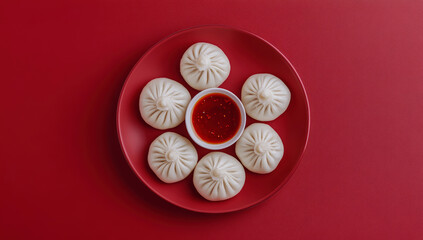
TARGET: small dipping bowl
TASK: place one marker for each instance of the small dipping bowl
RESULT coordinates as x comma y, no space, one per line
217,115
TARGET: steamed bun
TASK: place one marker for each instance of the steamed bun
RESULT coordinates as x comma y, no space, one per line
204,65
172,157
265,97
218,176
260,149
163,103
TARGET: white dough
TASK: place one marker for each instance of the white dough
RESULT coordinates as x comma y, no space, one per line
260,149
204,65
172,157
163,103
265,97
219,176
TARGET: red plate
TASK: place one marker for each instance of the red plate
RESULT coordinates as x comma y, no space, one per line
248,54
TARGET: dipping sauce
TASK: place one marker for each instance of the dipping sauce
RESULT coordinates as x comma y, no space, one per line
216,118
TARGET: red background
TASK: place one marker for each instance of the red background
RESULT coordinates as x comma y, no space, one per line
63,175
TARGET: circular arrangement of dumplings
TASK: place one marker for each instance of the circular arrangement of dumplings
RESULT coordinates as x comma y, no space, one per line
172,157
204,65
259,148
219,176
265,97
163,103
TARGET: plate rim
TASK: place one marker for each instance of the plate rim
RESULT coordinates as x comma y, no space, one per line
194,28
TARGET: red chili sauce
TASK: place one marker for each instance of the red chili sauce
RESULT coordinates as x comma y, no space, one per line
216,118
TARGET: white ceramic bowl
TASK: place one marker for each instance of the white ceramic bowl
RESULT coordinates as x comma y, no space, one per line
191,129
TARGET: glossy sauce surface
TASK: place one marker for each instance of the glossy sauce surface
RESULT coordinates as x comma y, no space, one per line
216,118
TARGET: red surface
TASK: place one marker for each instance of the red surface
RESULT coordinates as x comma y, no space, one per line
253,56
63,175
216,118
